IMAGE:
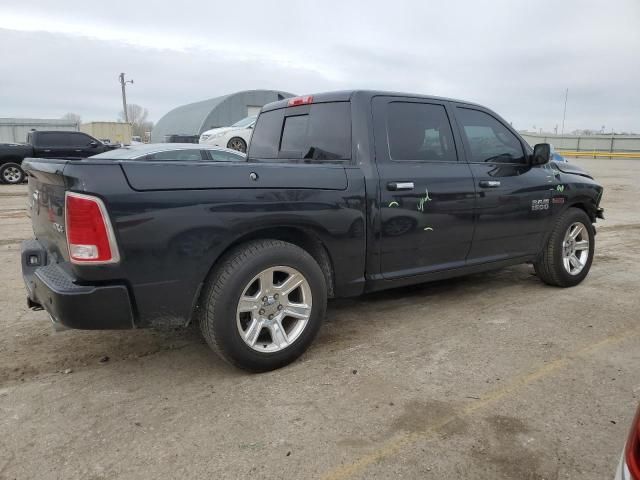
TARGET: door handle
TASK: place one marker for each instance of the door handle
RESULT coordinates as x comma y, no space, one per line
78,150
394,186
47,150
490,183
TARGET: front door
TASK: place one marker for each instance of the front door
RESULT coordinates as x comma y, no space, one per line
426,193
81,145
513,203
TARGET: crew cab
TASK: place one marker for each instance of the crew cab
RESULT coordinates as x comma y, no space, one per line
46,144
342,193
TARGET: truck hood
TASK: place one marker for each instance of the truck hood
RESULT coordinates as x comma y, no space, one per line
565,167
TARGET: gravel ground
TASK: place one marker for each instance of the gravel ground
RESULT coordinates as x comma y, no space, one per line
488,376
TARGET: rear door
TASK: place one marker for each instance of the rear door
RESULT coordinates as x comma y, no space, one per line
49,144
513,205
426,192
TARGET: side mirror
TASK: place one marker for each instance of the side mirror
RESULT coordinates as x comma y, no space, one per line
93,144
541,154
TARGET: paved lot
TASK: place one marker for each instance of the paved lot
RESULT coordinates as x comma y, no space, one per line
488,376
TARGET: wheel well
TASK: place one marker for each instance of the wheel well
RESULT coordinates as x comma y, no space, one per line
6,160
303,239
586,208
238,137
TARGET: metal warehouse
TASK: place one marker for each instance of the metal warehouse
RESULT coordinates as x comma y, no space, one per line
16,129
195,118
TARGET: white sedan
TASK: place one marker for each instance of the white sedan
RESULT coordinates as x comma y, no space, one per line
236,136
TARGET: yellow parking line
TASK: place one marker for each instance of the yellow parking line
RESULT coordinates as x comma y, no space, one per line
597,154
398,442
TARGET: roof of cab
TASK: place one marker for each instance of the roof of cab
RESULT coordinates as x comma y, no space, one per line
347,95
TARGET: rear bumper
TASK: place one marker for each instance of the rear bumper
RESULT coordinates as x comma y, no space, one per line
89,307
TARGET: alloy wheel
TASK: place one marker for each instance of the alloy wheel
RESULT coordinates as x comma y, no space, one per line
274,309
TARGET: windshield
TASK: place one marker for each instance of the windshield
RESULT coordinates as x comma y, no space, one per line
245,122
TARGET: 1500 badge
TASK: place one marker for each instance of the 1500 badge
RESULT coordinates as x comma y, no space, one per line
540,204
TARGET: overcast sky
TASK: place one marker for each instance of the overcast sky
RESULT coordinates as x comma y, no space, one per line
516,57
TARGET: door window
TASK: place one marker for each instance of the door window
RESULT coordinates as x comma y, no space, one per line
488,139
419,131
51,139
77,140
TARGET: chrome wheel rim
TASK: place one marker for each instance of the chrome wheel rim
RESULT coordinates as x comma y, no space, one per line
575,248
238,145
274,309
11,174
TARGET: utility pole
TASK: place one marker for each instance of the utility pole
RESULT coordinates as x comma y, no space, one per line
123,83
564,114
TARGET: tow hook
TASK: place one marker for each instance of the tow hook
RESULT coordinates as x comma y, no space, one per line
35,306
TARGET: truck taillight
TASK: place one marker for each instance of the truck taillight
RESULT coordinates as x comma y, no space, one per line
295,101
90,238
632,451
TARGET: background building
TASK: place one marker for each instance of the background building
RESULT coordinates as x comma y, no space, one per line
114,132
16,129
193,119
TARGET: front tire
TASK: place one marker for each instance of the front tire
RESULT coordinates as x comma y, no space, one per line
566,258
237,143
11,173
263,305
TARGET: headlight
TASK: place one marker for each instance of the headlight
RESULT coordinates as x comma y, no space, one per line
203,137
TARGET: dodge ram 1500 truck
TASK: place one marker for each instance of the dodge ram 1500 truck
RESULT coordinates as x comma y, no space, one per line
342,193
46,144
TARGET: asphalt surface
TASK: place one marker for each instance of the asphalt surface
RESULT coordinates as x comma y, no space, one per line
488,376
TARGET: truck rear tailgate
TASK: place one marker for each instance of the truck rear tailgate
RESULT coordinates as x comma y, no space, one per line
46,204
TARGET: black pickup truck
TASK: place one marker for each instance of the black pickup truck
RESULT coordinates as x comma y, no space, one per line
342,193
46,144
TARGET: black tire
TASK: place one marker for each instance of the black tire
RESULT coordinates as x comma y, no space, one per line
225,285
237,143
11,173
550,266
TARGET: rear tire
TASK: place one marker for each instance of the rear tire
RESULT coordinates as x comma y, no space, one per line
565,261
236,320
237,143
11,173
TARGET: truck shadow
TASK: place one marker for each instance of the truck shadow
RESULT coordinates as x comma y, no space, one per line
36,350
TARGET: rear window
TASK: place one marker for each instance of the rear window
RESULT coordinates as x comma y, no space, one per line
319,132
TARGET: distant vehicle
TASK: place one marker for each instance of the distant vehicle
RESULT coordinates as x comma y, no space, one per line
236,136
175,138
343,193
173,152
629,466
46,144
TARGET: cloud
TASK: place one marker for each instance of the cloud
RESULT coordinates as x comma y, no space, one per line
513,57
